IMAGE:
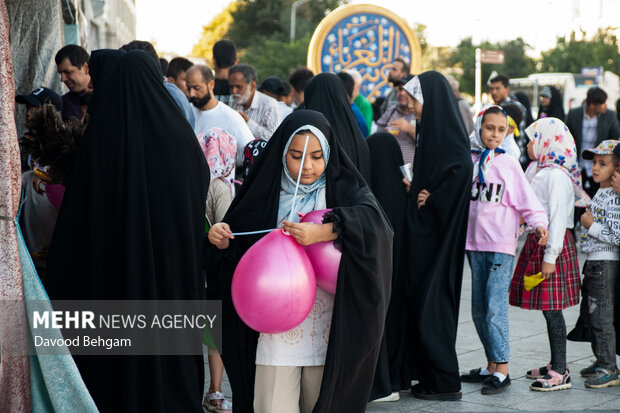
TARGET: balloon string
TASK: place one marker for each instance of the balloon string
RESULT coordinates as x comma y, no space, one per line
303,157
253,232
301,167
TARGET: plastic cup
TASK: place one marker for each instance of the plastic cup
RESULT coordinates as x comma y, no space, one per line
407,171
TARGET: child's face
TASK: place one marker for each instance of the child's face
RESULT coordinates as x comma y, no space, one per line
530,150
493,130
314,164
602,170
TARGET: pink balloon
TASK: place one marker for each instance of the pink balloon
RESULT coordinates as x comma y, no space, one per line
55,193
274,287
325,258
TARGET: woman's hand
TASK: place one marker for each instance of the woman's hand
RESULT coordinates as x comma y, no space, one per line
308,233
543,235
547,270
220,235
587,219
422,197
407,185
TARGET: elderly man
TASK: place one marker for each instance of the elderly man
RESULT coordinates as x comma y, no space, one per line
259,110
400,67
72,65
399,120
211,113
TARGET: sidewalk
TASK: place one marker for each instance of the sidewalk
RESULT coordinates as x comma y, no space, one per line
529,348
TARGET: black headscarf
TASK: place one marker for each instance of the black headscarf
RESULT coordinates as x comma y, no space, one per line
525,101
555,108
437,233
364,276
131,226
325,93
392,372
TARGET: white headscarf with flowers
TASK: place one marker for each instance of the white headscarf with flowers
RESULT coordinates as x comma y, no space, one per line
554,147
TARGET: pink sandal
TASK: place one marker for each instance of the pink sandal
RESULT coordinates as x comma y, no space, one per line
552,381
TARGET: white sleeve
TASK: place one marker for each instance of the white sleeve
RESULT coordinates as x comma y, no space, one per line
561,201
609,230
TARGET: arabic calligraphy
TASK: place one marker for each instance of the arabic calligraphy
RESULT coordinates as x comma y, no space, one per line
368,43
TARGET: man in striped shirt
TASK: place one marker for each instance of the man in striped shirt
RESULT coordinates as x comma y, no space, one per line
260,111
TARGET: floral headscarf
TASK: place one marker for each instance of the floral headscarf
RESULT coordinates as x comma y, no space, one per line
554,147
220,149
485,156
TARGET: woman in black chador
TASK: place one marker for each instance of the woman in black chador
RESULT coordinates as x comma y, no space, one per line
436,228
392,374
131,227
325,93
364,276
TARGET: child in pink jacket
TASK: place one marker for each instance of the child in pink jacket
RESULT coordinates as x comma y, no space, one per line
500,196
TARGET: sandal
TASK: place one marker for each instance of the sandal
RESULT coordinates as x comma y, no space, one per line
552,381
221,404
538,373
225,407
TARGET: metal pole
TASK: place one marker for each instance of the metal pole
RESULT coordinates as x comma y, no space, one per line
294,17
478,102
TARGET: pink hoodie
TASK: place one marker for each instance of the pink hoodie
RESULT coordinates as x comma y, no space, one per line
495,209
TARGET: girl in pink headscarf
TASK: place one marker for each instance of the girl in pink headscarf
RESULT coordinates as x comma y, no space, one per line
220,149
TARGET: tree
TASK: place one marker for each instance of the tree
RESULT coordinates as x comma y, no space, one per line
516,63
214,31
571,55
261,30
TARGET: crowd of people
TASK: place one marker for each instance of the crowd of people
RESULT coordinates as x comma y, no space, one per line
139,180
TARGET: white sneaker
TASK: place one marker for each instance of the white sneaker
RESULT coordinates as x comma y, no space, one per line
394,397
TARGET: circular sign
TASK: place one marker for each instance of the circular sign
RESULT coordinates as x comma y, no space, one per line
365,38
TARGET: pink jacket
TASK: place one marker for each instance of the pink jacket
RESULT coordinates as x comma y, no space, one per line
496,208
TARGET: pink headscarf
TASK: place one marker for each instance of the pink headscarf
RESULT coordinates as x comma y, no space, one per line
554,147
220,150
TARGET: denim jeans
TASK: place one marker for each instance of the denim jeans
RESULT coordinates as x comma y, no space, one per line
599,279
491,273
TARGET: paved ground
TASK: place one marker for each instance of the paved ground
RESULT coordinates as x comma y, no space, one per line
529,349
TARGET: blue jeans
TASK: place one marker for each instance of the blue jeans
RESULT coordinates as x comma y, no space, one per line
491,273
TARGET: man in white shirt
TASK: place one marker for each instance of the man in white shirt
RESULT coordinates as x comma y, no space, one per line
259,110
210,113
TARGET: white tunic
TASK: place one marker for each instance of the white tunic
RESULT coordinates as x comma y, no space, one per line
304,345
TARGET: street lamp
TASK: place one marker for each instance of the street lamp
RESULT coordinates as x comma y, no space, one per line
293,16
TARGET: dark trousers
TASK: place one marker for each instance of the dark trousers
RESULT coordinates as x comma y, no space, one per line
600,281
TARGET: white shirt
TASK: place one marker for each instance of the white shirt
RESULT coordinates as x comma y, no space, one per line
225,118
263,114
304,345
601,242
510,146
555,192
285,110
